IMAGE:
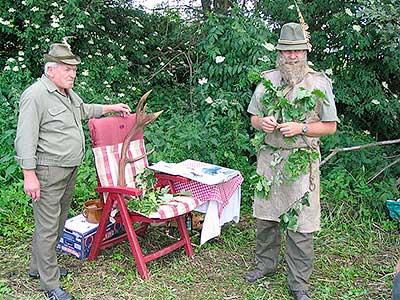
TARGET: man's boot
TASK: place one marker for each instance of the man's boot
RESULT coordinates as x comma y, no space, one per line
58,294
300,295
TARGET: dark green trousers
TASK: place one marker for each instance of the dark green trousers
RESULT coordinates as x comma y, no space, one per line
299,253
50,212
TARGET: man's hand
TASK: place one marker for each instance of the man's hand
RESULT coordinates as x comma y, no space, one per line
267,124
31,184
290,128
397,270
121,108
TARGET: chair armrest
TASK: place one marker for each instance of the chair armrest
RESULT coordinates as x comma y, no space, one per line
171,177
119,190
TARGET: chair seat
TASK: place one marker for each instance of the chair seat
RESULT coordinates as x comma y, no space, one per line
107,136
180,205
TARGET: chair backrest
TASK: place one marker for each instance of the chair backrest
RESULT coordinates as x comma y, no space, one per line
112,130
107,135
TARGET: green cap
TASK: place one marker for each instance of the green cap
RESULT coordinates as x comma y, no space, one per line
292,38
61,53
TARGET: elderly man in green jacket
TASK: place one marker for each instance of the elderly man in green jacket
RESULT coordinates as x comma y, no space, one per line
292,107
50,146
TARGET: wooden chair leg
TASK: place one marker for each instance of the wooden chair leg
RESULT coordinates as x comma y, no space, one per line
185,235
133,241
101,229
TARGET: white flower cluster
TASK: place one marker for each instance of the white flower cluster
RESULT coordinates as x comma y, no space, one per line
107,84
376,102
219,59
13,64
209,100
348,11
138,23
203,81
264,58
55,21
269,46
5,22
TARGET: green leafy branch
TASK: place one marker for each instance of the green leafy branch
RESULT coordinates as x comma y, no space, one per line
284,110
152,197
298,163
289,220
263,187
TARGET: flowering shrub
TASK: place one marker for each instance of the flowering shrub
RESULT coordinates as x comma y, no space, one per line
198,69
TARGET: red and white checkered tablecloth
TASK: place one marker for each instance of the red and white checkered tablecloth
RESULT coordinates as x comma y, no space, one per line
221,192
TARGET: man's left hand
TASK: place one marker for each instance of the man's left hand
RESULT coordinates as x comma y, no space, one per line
290,128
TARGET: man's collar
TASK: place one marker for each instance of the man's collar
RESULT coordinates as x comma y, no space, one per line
51,87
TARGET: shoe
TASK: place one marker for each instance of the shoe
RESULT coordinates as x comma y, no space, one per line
301,295
58,294
35,274
256,274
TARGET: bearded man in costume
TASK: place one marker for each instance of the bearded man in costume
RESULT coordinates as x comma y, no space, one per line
300,110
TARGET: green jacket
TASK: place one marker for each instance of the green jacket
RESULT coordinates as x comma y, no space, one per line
49,126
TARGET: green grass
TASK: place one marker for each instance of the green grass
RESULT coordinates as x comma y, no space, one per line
354,260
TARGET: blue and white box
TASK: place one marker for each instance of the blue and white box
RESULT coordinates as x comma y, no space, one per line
78,236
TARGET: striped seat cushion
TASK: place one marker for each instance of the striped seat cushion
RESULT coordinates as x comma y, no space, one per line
179,205
106,160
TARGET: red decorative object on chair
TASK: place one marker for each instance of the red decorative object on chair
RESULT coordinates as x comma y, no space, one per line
108,135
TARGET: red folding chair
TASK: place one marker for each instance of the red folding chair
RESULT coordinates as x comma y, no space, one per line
107,136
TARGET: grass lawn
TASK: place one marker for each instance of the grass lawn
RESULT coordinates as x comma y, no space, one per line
354,260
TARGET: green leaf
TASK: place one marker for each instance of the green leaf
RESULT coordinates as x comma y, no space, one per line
319,94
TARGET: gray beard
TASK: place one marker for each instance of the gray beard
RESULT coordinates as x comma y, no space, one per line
292,74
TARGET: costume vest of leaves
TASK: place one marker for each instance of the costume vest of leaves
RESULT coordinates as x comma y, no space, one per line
287,189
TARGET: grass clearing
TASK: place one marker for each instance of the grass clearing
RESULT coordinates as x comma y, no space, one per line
354,260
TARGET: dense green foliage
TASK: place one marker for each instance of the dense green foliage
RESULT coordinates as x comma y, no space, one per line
198,67
357,44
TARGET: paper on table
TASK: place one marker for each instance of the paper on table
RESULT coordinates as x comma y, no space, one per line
207,173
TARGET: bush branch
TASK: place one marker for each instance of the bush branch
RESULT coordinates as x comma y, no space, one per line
359,147
381,171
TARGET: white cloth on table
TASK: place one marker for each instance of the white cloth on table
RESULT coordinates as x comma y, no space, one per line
212,222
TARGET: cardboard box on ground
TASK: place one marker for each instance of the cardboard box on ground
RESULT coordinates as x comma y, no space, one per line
78,236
